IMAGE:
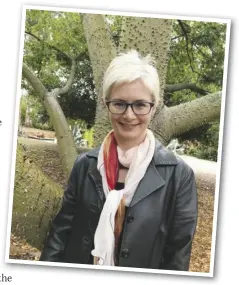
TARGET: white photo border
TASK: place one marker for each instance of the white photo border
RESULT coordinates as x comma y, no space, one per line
222,117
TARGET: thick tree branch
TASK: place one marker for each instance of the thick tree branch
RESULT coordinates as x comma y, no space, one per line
190,115
34,81
182,86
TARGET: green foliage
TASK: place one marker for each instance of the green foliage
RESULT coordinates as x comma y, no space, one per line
37,113
86,131
80,102
47,50
197,56
204,141
89,136
204,152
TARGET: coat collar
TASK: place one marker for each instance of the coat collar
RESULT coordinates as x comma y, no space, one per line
162,156
152,179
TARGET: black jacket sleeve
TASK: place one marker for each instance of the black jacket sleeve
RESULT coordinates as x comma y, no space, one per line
176,255
62,224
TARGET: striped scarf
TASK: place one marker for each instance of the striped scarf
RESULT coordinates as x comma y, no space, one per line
112,216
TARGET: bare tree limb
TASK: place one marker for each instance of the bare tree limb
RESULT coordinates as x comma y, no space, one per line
34,81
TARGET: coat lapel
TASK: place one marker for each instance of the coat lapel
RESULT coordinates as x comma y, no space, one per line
95,174
150,182
96,177
152,179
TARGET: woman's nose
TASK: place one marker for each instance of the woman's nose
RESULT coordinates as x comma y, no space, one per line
129,113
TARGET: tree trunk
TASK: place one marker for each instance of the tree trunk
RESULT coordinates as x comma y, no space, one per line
149,36
36,200
101,50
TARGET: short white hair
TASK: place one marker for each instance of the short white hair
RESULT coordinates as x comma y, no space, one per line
127,67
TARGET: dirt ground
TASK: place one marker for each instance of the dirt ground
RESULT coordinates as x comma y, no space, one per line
35,132
48,160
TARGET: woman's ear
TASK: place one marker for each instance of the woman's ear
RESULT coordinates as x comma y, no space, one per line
102,101
153,110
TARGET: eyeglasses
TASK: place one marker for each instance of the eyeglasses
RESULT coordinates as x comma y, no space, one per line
138,107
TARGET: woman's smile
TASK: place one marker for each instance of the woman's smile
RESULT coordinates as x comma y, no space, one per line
128,126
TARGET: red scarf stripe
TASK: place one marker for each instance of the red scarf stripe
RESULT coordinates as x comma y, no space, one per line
111,160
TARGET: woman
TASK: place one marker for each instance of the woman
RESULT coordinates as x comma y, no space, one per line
130,202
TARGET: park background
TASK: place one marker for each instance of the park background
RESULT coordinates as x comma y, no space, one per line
36,163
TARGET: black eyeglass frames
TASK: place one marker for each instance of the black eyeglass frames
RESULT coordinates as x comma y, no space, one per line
138,107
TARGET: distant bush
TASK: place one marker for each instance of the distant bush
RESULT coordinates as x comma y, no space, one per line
23,108
202,144
89,136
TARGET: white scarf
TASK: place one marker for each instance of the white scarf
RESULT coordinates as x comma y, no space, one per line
104,239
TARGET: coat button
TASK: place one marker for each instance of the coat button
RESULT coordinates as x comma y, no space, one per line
125,253
130,219
86,239
94,209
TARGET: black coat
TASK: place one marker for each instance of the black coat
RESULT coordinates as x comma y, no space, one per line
159,225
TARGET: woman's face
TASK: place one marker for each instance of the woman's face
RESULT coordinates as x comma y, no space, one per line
130,128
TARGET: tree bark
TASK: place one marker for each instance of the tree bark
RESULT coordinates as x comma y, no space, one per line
149,36
174,121
65,141
191,115
36,201
101,50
